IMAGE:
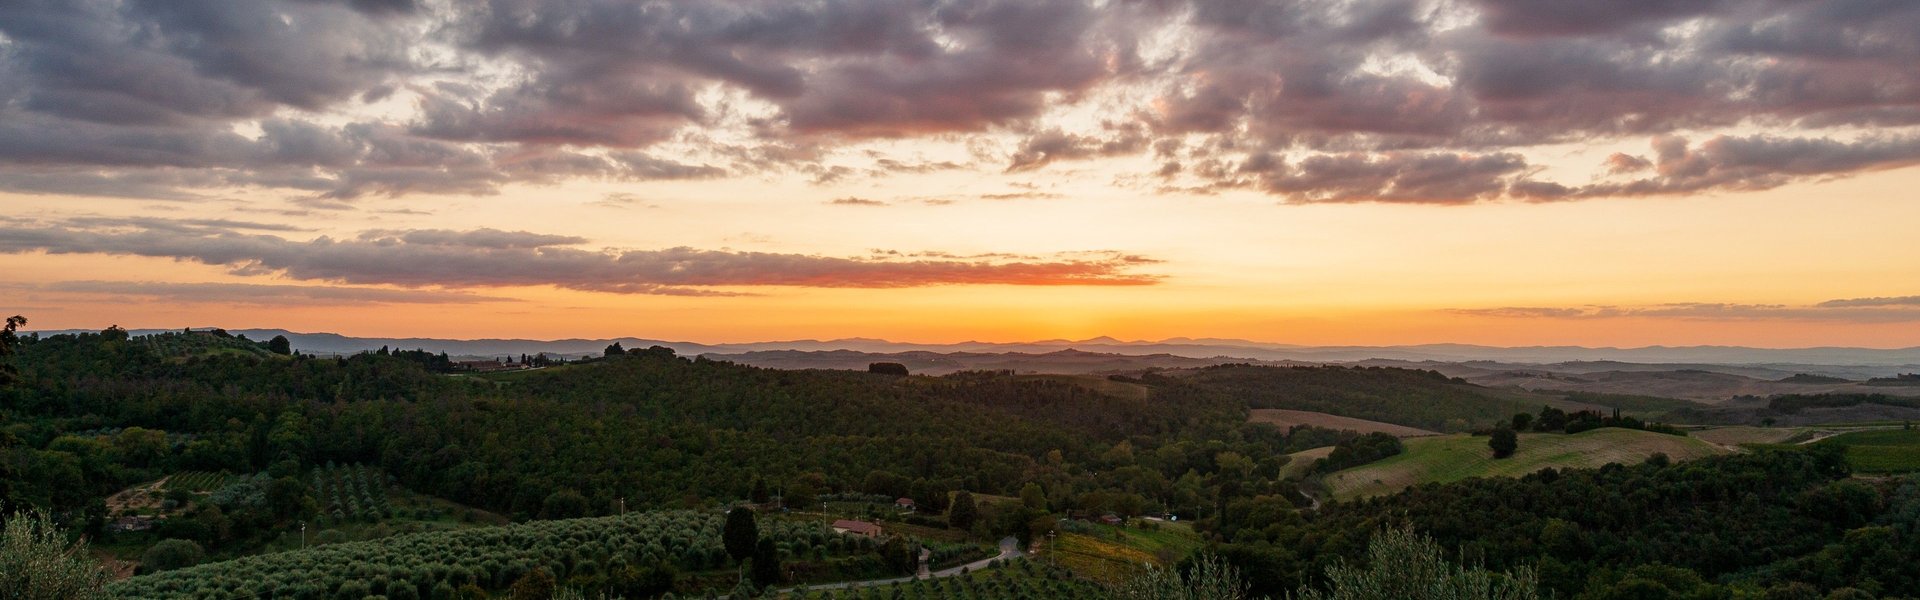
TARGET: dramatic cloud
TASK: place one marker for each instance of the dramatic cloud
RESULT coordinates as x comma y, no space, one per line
1436,177
265,294
493,258
1050,146
1738,163
1385,100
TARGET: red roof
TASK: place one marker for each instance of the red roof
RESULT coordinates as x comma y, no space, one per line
860,527
904,502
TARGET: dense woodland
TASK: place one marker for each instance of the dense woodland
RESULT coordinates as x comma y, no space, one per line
645,430
1752,521
1424,399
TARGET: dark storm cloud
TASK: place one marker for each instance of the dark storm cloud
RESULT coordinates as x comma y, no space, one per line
1364,100
492,258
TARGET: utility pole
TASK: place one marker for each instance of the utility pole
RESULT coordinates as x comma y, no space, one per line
303,534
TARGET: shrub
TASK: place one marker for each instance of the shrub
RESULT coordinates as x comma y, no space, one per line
38,563
172,554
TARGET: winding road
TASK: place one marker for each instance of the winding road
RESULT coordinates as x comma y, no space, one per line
1009,550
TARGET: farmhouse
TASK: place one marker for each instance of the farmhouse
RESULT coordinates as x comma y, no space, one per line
905,504
864,528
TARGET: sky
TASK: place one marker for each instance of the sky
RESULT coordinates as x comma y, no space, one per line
1502,172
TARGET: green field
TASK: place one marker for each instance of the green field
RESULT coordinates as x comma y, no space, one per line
1456,457
1299,463
1741,434
1110,555
1880,451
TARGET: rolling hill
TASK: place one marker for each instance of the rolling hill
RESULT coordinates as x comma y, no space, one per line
1419,399
1456,457
1287,419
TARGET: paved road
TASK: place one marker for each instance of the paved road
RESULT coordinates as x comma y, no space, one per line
1009,550
1310,498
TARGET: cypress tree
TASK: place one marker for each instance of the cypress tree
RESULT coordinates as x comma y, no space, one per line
963,513
740,534
766,563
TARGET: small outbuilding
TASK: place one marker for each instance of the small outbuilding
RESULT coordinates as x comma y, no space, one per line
852,527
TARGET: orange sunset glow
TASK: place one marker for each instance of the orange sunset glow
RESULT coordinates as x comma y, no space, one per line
1328,173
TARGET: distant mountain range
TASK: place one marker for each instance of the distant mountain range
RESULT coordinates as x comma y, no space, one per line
1115,354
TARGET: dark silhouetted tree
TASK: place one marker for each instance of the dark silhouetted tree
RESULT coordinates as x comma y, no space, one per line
614,349
963,513
902,557
1522,421
279,345
759,494
766,562
740,534
564,504
8,339
1551,419
887,368
1503,442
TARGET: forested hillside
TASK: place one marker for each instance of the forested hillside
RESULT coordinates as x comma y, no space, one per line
1423,399
1741,522
258,441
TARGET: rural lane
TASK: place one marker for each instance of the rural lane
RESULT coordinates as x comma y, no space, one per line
1009,549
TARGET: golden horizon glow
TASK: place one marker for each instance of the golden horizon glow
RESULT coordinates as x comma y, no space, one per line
1311,173
1233,267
